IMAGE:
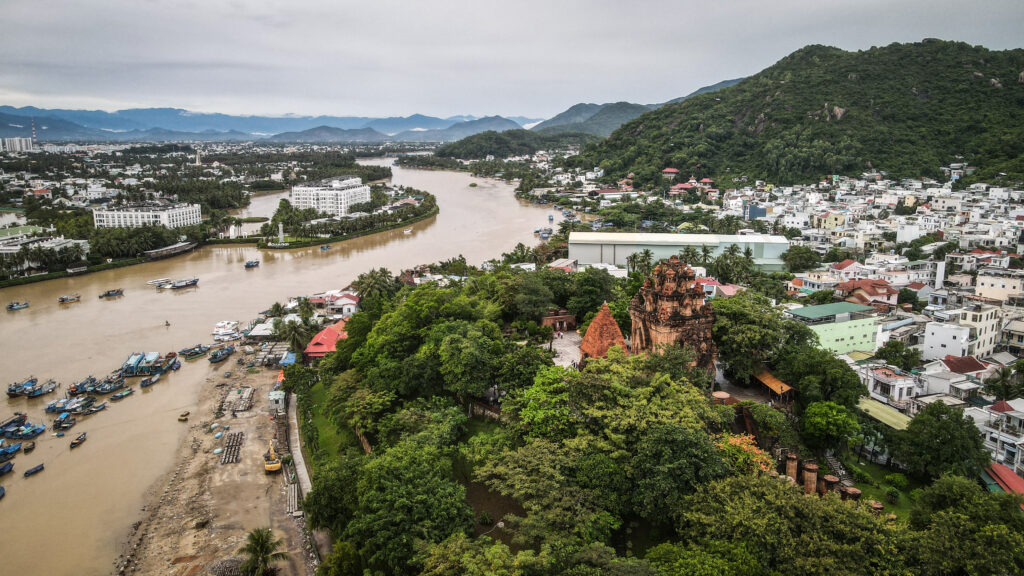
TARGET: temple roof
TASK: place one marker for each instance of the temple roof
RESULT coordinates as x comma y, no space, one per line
602,334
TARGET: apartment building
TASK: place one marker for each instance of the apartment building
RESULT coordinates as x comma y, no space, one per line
334,196
169,216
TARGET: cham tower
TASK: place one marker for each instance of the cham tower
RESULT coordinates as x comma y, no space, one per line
670,309
602,334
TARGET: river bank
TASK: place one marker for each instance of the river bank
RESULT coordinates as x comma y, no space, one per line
200,512
98,493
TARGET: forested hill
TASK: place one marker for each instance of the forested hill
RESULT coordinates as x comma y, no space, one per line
509,143
905,108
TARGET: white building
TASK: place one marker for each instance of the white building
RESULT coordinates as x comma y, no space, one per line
171,216
969,331
18,145
331,196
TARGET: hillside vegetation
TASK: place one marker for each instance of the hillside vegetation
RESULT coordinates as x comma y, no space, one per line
905,108
601,123
509,143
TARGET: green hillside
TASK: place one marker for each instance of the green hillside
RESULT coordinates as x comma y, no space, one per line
509,143
906,109
603,122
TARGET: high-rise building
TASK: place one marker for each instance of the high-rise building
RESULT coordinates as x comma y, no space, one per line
334,196
18,145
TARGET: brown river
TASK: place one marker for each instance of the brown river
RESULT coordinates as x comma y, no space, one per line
73,517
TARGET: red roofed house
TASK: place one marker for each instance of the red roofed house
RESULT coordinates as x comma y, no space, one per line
867,291
326,340
669,173
1006,479
40,193
848,269
602,333
968,365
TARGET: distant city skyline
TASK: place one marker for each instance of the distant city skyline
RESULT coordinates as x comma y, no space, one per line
389,58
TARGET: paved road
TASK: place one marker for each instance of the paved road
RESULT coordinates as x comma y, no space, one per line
293,442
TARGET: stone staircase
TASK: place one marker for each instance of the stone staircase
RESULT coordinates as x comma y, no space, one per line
845,478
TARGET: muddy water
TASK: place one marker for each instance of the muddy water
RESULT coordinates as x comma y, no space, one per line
72,517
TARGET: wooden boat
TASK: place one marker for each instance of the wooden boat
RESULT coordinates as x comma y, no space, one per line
122,394
65,423
147,382
83,387
158,281
183,418
193,352
187,283
6,467
407,231
325,247
78,441
28,448
3,491
252,263
33,470
58,405
69,298
113,293
12,423
12,449
17,305
20,388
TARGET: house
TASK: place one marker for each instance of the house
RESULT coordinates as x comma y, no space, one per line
669,173
1002,426
325,341
868,291
890,386
842,327
973,330
849,269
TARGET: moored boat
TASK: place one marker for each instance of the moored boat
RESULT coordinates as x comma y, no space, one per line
40,389
6,467
83,387
20,388
64,422
122,394
13,422
17,305
33,470
3,492
28,447
113,293
325,247
110,385
69,298
58,405
78,441
95,408
407,231
252,263
147,382
158,281
221,354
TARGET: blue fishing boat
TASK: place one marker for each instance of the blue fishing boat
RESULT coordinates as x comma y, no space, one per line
28,431
33,470
64,422
112,293
84,387
83,405
78,441
252,264
69,298
5,468
12,423
325,247
221,355
110,385
40,389
3,491
17,305
147,382
58,405
19,388
12,449
187,283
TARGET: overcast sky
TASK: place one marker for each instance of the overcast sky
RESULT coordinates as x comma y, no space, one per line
482,57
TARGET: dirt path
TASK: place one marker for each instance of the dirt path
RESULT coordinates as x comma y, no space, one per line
201,512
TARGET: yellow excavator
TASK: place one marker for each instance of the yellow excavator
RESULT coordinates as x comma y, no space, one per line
271,462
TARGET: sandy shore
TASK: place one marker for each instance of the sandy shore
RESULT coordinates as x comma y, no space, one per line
200,512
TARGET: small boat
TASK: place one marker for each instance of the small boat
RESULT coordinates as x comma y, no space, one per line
84,387
252,263
64,422
147,382
17,305
12,449
69,298
407,231
3,491
96,408
184,414
20,388
13,423
110,385
194,352
123,394
78,441
325,247
83,405
28,448
59,434
158,281
33,470
7,467
58,405
187,283
113,293
176,365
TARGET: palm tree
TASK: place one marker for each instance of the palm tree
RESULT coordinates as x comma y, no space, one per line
1004,384
689,255
733,250
261,551
633,262
646,261
705,254
277,310
306,310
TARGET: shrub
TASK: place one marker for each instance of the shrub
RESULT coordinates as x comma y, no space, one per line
485,519
892,494
897,481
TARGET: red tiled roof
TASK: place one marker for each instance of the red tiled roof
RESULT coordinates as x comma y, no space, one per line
1001,406
872,287
844,264
963,364
707,181
916,285
602,333
670,171
326,340
797,282
1006,479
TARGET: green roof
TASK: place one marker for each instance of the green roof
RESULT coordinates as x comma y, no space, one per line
16,230
887,415
826,310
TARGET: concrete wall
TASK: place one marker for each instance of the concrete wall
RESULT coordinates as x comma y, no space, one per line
845,337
